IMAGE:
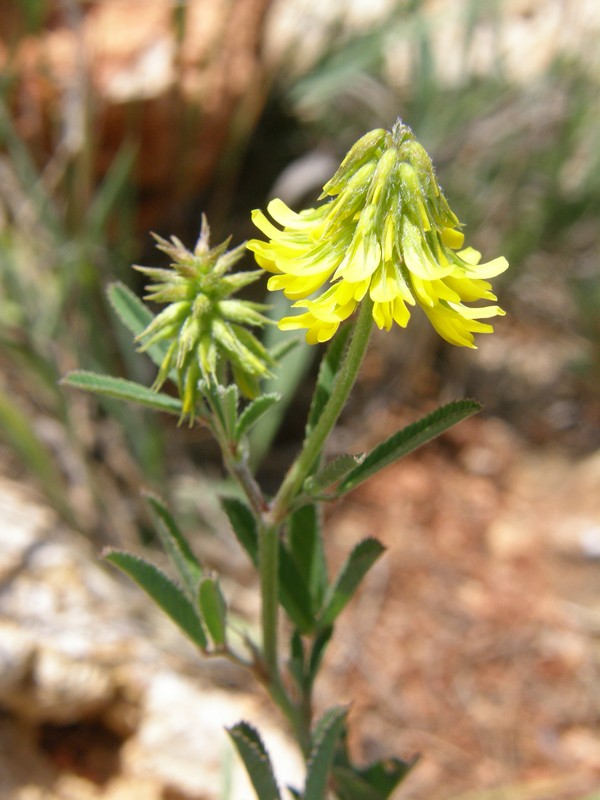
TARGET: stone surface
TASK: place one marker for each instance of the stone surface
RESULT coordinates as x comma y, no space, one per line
100,697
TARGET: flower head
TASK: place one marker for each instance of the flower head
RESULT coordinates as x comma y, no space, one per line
203,327
386,231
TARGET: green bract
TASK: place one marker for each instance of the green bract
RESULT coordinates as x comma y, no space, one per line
205,328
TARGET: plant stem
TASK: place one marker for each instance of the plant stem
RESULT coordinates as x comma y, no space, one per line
342,386
268,564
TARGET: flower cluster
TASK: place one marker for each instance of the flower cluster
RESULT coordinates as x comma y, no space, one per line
204,328
387,232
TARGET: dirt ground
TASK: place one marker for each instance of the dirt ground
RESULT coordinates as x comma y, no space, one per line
475,640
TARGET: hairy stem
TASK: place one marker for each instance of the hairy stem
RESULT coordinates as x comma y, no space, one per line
315,441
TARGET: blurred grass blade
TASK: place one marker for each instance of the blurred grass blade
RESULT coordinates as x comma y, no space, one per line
256,760
176,546
163,591
27,171
16,429
105,200
122,389
358,563
408,439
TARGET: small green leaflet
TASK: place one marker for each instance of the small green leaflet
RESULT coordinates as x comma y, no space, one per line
331,473
122,389
325,738
253,412
213,609
176,546
256,760
376,781
408,439
358,563
136,316
163,591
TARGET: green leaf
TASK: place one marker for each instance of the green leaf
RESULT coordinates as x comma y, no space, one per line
296,660
352,785
332,473
163,591
256,760
408,439
229,398
325,738
253,412
358,563
306,547
377,781
176,546
327,373
122,389
136,316
320,643
294,593
223,401
243,524
213,609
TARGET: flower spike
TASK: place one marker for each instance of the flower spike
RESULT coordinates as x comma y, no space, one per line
386,230
203,325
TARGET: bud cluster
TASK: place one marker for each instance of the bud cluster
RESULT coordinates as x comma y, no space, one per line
203,327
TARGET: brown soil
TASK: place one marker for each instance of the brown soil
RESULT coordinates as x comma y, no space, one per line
474,641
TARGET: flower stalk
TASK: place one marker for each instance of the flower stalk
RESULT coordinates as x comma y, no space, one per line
315,441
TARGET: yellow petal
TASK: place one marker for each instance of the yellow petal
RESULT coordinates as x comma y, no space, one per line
452,238
264,225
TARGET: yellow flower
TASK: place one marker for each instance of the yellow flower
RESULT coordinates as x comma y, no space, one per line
386,231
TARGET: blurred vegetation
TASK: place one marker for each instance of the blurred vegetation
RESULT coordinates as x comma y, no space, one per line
516,151
519,160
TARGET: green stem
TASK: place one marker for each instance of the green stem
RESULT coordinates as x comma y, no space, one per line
313,444
268,564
